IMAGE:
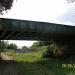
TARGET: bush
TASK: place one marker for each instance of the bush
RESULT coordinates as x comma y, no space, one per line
48,53
52,52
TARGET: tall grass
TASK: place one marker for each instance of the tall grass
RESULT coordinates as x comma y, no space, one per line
34,64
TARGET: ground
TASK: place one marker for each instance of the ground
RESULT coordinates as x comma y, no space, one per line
33,64
22,68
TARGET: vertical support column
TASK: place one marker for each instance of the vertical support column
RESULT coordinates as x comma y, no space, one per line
59,48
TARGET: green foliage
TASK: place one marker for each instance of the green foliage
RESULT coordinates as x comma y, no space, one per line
41,43
24,48
9,51
35,44
34,64
26,64
3,45
24,57
52,49
5,5
12,46
48,53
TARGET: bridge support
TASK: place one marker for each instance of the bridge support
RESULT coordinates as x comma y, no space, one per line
64,48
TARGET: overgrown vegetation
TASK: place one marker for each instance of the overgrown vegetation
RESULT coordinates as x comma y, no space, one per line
5,5
42,61
34,64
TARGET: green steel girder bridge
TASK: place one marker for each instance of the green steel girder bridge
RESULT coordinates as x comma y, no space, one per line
62,35
13,29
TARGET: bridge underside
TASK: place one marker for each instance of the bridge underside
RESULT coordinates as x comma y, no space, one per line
12,29
63,35
26,35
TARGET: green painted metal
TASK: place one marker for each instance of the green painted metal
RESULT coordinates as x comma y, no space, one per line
14,29
43,27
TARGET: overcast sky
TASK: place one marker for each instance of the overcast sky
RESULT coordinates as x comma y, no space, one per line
38,10
55,11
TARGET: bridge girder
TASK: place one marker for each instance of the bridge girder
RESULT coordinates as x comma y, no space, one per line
13,29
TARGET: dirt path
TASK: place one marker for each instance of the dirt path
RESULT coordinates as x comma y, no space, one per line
7,68
5,57
22,68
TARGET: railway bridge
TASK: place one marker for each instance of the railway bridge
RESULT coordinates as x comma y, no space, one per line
14,29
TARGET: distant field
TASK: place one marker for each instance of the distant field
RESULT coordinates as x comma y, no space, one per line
34,64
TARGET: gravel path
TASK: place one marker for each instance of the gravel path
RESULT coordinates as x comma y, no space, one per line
5,57
7,68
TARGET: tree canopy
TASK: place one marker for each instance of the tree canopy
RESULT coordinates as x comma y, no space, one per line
70,1
5,5
12,46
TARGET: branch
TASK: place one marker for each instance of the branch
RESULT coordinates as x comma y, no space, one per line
5,5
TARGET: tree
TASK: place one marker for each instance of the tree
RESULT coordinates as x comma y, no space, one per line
5,5
41,43
12,46
3,45
24,48
70,1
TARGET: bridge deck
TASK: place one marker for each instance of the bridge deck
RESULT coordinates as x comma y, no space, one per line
12,29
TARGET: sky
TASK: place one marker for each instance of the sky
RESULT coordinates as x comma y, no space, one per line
21,43
55,11
38,10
